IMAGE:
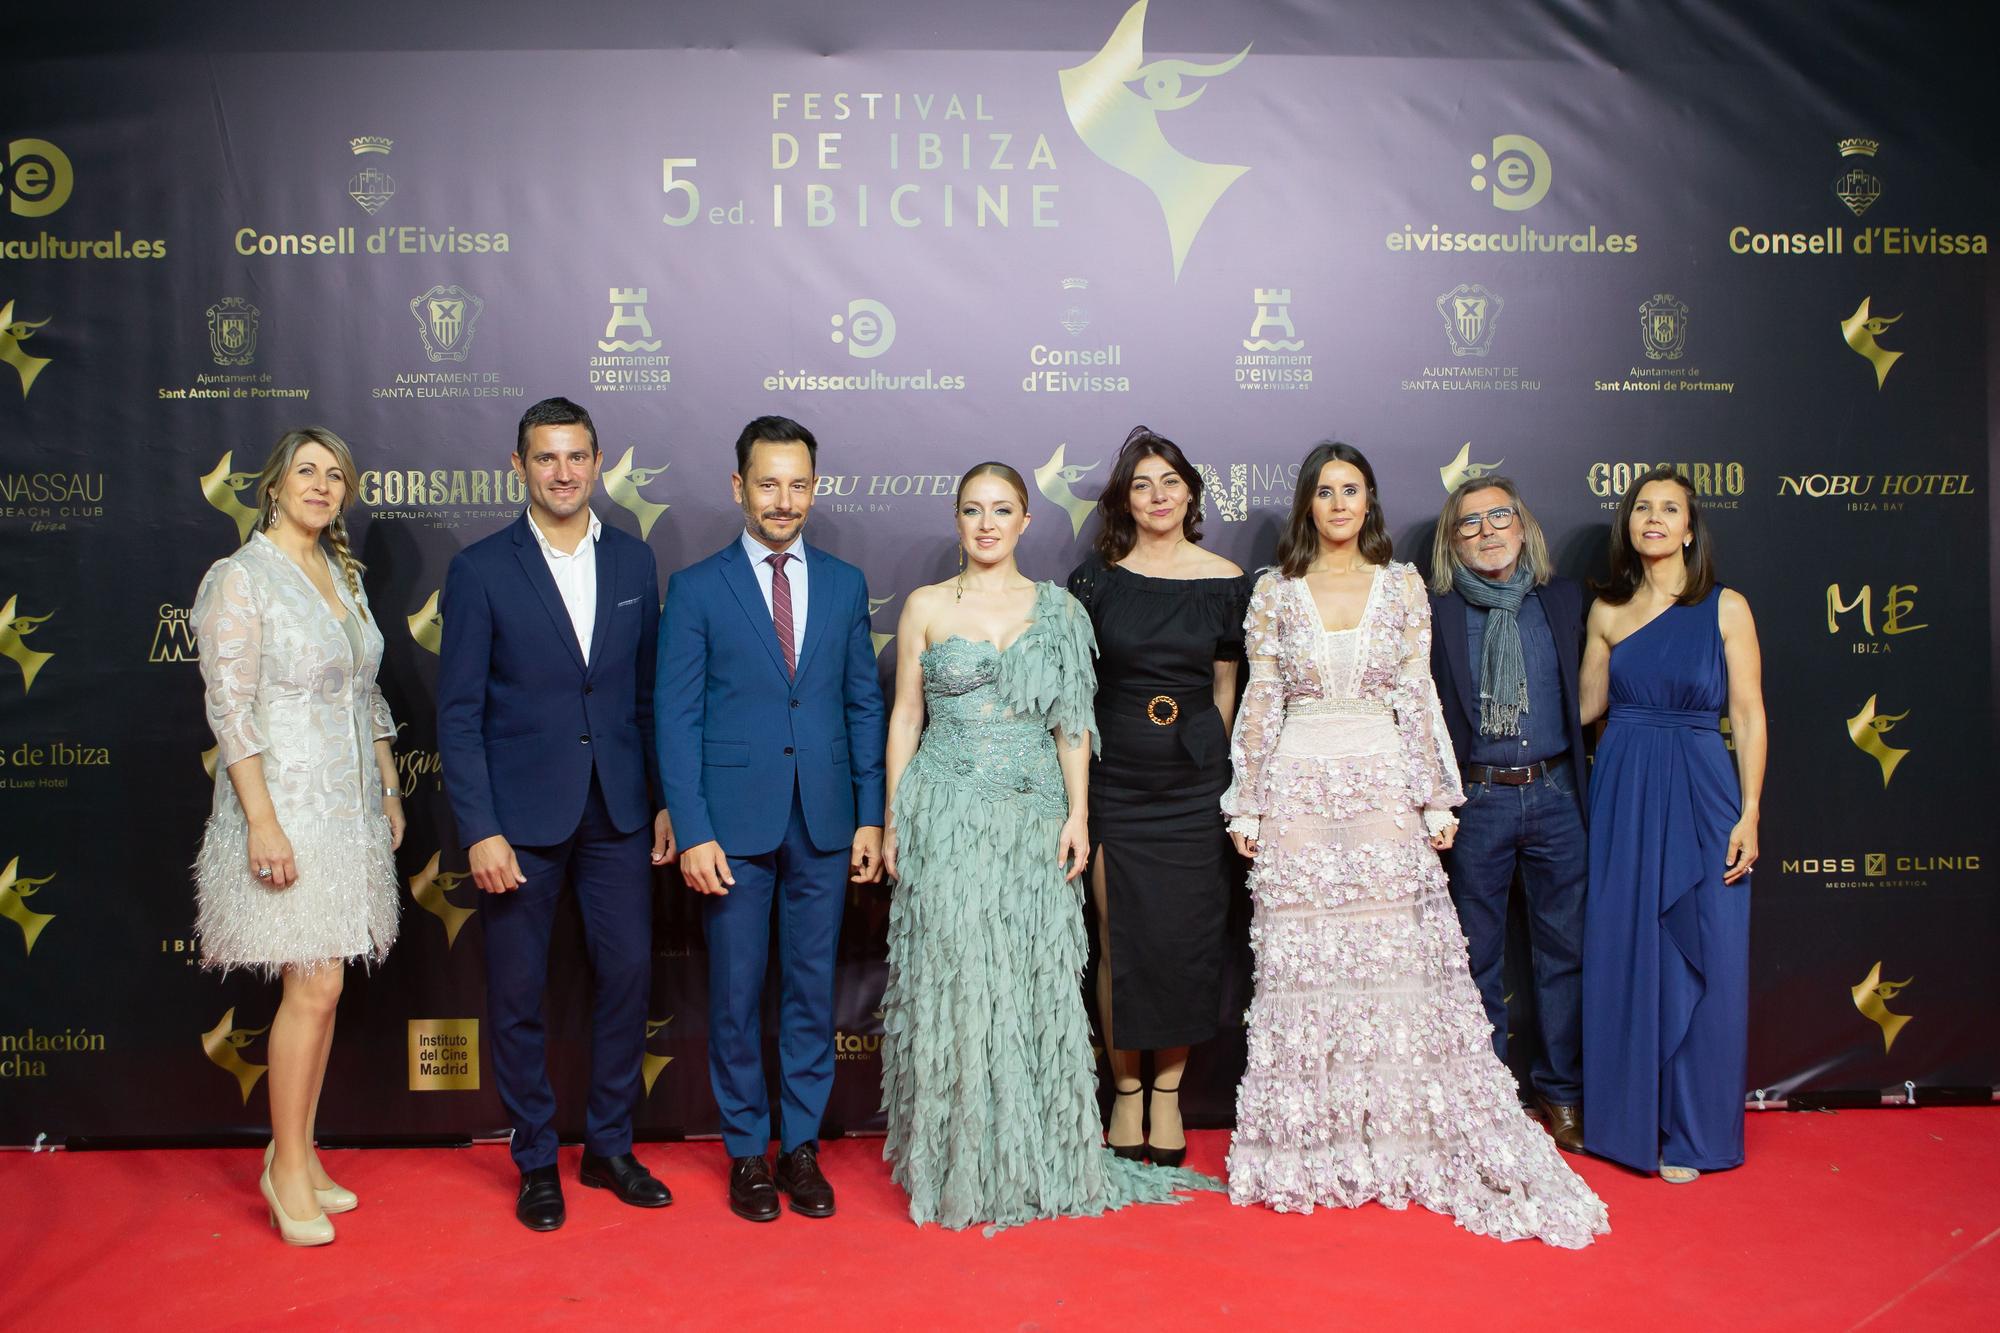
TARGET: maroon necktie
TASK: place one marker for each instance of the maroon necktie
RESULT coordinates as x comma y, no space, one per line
781,609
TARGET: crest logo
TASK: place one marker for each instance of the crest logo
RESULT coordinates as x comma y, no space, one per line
1663,325
651,1064
371,187
1867,728
427,625
429,889
1861,329
1462,468
232,331
628,311
13,333
1871,996
36,178
1054,480
1521,172
868,328
221,487
224,1043
1074,318
447,317
15,890
14,629
1121,125
1471,313
623,482
1273,312
1856,187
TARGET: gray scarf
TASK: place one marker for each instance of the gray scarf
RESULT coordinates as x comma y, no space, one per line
1503,675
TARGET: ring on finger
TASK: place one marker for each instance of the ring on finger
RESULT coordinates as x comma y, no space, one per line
263,872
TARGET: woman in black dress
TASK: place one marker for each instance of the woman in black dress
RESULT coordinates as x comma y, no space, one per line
1169,622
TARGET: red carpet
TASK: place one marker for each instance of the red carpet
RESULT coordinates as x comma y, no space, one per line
1868,1219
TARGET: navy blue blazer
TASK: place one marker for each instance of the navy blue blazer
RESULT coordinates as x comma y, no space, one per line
736,736
1458,679
522,722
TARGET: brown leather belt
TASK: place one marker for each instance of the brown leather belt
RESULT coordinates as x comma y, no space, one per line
1509,777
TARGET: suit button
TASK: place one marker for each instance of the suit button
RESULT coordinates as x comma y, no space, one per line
588,688
583,740
795,703
788,749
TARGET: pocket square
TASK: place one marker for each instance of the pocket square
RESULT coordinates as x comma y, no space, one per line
629,601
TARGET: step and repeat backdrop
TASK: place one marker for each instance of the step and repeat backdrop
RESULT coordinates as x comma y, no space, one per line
1216,220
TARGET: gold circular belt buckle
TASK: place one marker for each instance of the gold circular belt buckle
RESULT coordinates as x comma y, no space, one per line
1153,710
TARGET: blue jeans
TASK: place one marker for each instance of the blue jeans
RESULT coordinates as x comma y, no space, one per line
1537,829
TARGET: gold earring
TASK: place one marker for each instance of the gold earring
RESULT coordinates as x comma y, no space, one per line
961,558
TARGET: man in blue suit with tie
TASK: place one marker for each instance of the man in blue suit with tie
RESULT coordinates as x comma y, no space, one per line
545,718
770,724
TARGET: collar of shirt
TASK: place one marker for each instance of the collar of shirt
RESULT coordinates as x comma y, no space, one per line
549,550
758,552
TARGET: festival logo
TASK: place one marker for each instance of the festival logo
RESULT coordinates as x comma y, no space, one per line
868,328
15,627
1273,363
427,624
1663,327
1520,172
1462,468
371,187
1073,317
224,1044
15,890
1898,615
1867,728
430,889
651,1064
232,331
447,317
173,637
444,1054
37,178
13,333
1471,314
1861,329
1121,125
1871,996
1857,187
1055,478
881,640
625,482
220,488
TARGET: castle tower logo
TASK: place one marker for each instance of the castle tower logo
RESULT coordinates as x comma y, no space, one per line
371,187
232,331
13,333
1857,187
1871,997
1273,313
1867,728
224,1043
15,890
1122,126
1861,329
628,311
221,487
625,482
1054,479
15,627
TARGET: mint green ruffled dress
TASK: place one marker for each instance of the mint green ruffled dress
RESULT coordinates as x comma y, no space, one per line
988,1079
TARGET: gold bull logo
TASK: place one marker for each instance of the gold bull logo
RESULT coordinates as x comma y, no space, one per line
427,625
220,488
623,482
13,333
1871,997
14,630
430,889
1867,728
15,890
1462,468
1122,125
1861,330
224,1045
1054,479
651,1064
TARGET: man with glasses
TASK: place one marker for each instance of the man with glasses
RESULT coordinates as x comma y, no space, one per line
1507,632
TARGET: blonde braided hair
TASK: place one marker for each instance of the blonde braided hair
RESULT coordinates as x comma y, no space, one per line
279,465
336,532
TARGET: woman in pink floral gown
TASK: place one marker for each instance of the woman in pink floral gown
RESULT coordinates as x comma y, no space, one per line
1371,1068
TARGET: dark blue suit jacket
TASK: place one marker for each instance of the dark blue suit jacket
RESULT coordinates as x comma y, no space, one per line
522,722
736,736
1458,678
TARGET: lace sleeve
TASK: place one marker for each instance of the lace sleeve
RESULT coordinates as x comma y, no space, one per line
1427,754
1261,717
229,631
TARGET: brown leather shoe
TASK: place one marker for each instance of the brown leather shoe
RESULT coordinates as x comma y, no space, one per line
1565,1123
752,1196
799,1176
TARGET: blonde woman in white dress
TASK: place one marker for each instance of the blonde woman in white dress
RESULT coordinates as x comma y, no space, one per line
296,874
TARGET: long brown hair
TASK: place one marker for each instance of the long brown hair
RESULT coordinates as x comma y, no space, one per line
279,465
1118,531
1300,542
1628,570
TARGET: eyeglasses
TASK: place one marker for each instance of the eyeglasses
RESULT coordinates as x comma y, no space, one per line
1497,519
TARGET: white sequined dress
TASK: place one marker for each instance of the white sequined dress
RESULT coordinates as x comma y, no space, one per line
1371,1071
284,681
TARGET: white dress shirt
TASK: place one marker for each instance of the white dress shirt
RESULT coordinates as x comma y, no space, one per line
795,574
576,579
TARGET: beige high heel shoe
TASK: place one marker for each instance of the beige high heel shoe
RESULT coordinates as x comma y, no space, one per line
313,1231
338,1199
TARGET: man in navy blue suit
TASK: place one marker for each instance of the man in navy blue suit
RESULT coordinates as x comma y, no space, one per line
1506,635
770,724
545,719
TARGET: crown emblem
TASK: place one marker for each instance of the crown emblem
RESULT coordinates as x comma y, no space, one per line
1859,147
370,143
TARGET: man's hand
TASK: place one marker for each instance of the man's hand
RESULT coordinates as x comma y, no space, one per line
663,839
706,869
494,868
865,861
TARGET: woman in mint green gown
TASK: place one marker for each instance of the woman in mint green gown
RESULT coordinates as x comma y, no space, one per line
988,1078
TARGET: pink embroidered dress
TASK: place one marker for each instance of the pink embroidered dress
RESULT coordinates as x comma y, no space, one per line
1371,1069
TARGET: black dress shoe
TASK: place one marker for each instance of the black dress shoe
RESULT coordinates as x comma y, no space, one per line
752,1196
799,1176
540,1206
626,1177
